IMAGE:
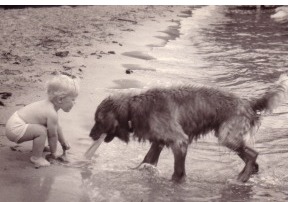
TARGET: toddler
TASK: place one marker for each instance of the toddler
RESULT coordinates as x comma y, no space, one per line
39,120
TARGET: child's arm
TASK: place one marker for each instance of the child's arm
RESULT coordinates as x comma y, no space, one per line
52,127
62,139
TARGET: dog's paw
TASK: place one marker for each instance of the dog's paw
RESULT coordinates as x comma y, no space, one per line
178,179
255,168
244,176
151,169
234,182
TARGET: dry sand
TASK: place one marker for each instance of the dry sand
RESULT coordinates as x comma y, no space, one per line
85,41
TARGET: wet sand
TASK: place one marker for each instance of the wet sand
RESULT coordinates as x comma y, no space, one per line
98,44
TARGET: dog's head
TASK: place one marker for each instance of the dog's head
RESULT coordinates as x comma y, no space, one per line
111,118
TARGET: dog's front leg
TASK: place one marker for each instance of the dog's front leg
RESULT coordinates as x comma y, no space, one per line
180,151
153,154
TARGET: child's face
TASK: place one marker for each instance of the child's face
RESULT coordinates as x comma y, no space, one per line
67,103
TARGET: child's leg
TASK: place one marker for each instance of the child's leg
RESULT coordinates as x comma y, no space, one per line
37,133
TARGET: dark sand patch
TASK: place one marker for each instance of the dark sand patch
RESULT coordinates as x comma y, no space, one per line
172,32
186,13
137,67
139,55
127,83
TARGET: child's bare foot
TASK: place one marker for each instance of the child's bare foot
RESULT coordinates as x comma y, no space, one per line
39,161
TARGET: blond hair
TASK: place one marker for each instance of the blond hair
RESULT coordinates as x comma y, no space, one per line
62,86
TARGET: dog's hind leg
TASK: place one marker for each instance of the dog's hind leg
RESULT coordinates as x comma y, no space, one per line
249,156
232,135
251,167
256,166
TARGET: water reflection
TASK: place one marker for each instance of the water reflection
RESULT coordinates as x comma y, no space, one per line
244,40
44,184
236,192
39,189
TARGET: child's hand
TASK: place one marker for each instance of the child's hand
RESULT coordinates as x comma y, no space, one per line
66,146
53,155
50,157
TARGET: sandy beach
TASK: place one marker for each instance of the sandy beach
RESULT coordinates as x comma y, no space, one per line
90,42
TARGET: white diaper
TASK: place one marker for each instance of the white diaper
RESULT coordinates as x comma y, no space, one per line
15,128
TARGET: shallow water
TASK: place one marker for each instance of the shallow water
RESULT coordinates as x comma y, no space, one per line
238,50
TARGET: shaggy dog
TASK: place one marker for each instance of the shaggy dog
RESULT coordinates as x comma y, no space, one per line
175,116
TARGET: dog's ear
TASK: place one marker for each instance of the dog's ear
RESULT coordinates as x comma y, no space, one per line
112,125
111,121
115,124
121,111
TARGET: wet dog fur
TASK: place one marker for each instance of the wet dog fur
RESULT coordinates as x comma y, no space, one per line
175,116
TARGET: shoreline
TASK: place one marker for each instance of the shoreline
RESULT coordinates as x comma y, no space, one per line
102,57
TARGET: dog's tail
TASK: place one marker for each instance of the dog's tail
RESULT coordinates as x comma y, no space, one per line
273,97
